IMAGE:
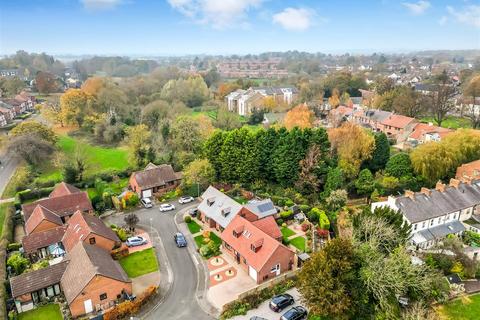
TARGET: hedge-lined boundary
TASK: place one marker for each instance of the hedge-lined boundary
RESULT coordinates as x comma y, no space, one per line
6,238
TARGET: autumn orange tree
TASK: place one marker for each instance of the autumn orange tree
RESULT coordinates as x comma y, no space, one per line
75,104
334,100
353,145
300,116
93,85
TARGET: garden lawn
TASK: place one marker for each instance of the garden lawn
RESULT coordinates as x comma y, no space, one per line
299,243
451,122
213,237
99,159
287,232
47,312
467,308
140,263
3,212
193,227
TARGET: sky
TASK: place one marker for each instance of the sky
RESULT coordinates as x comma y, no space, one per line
179,27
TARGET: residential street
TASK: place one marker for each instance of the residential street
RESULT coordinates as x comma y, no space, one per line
7,168
179,302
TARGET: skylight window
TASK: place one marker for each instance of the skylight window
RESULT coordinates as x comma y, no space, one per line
246,234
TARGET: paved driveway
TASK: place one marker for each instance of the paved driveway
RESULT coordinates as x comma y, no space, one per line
264,310
178,270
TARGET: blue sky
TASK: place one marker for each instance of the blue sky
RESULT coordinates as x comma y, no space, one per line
166,27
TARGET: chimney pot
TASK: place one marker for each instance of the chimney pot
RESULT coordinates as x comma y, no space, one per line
440,186
425,191
410,194
454,183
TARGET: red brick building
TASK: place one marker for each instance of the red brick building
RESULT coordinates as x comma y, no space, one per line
154,180
252,246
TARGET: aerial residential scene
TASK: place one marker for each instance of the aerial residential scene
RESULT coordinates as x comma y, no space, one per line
240,159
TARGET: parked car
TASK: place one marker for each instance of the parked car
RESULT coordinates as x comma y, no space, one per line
166,207
135,241
295,313
280,302
180,240
257,318
193,212
185,199
147,203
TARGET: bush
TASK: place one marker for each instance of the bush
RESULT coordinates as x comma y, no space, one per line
129,308
286,215
187,219
14,246
305,208
279,222
305,227
34,194
18,263
289,203
122,234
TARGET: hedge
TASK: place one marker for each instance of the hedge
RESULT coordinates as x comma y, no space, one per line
104,176
34,194
6,238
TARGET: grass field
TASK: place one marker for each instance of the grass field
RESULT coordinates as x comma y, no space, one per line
3,212
299,243
451,122
286,232
99,159
46,312
213,237
466,308
140,263
193,227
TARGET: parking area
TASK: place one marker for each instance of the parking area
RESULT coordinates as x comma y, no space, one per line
143,234
264,311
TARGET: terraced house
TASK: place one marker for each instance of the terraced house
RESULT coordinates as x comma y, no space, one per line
433,214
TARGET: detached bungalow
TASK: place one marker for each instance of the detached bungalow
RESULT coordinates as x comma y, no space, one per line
40,245
155,180
252,246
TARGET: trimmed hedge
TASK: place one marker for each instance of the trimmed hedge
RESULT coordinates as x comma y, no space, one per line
34,194
104,176
6,238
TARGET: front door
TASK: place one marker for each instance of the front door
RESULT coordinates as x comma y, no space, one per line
88,306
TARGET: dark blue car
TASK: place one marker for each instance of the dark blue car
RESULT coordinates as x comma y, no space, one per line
180,240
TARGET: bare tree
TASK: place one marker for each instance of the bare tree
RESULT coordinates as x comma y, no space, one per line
131,220
32,149
471,95
441,97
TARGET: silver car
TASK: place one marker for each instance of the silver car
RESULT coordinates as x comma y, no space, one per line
166,207
135,241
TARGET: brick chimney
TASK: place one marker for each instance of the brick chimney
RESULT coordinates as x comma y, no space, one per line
410,194
425,191
454,183
466,179
440,186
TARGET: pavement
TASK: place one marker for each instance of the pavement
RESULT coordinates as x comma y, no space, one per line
182,277
264,311
140,284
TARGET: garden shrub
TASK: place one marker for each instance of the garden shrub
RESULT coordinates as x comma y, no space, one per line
187,219
286,215
279,222
14,246
130,308
304,208
305,226
18,263
122,234
289,203
32,194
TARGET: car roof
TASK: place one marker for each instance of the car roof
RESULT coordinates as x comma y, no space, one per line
179,234
135,238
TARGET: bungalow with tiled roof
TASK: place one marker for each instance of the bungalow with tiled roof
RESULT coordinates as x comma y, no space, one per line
255,250
154,180
42,219
64,201
39,245
426,132
31,288
83,227
398,127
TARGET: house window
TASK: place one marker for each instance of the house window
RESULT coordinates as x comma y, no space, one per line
50,291
227,246
415,226
103,296
92,240
244,261
431,222
57,289
423,224
275,268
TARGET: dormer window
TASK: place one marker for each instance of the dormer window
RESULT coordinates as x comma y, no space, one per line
210,201
256,245
226,211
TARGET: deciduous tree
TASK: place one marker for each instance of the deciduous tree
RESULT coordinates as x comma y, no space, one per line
36,129
300,116
441,97
471,95
199,172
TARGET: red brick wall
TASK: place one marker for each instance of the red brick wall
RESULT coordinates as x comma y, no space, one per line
283,256
94,289
247,214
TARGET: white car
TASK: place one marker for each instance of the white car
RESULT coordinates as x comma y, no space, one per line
135,241
147,203
166,207
185,199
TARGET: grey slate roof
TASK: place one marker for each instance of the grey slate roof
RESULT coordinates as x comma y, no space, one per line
215,204
262,208
440,231
439,203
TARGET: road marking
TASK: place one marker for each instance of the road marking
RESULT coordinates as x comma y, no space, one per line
195,259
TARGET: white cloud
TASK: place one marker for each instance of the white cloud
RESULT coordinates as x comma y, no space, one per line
217,13
294,19
468,15
417,8
443,20
100,4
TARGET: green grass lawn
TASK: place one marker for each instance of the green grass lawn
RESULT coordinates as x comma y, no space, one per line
116,187
3,212
467,308
287,232
140,263
451,122
213,237
46,312
193,227
299,243
99,159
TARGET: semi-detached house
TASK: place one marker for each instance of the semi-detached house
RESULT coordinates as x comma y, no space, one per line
433,214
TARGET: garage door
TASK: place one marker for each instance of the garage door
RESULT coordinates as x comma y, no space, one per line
147,193
252,273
